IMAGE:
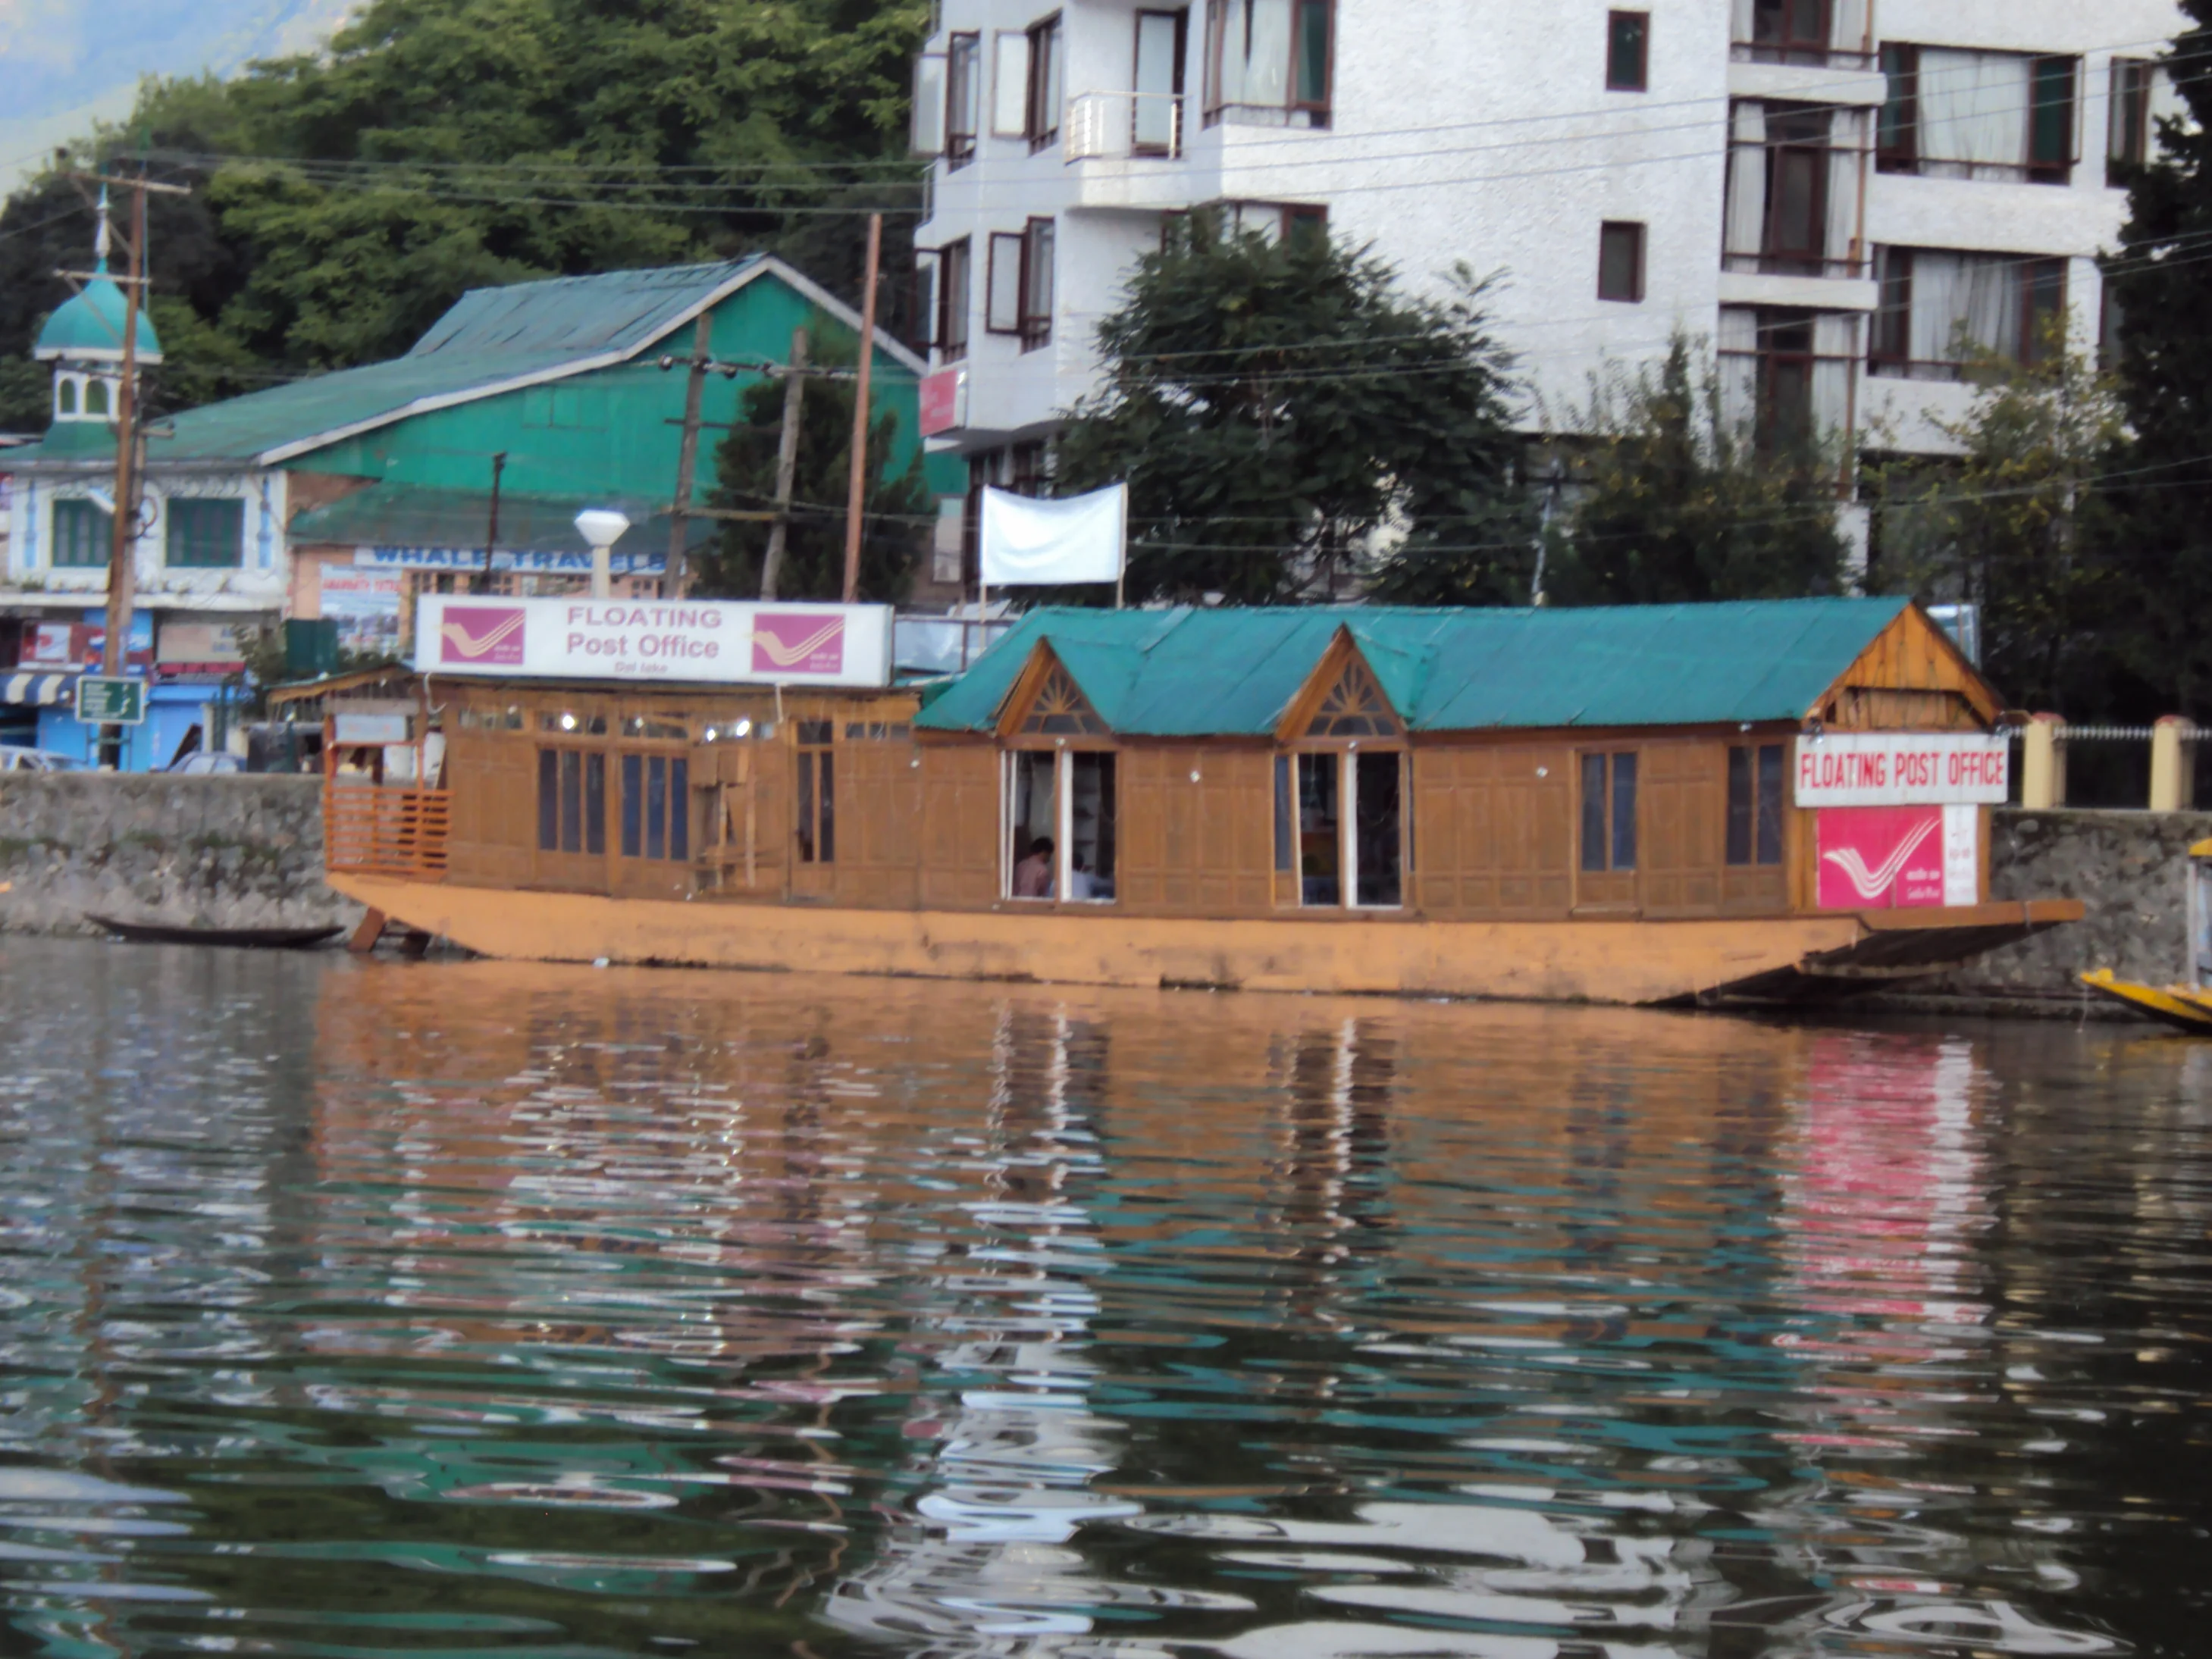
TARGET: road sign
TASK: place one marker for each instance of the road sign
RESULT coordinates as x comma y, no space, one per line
105,700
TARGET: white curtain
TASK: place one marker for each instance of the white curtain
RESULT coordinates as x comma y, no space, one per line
1836,356
1740,13
1738,366
1973,111
1973,295
1847,131
1746,196
1255,53
1848,25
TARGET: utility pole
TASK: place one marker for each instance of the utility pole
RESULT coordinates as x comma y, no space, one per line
491,531
130,441
687,457
787,463
856,489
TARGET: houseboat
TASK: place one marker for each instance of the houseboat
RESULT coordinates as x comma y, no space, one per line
1651,805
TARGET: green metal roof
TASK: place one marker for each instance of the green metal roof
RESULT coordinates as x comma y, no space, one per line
89,326
415,515
1232,672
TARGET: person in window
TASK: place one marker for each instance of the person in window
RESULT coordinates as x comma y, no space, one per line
1033,875
1081,883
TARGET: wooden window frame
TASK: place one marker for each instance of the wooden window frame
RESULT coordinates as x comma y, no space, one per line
966,47
1064,751
1033,326
1897,144
1795,48
1345,753
955,258
1756,843
1180,16
1319,110
1889,335
1045,83
814,793
1637,232
1615,80
2055,169
1897,123
181,551
2127,120
1611,755
1812,259
1012,245
72,509
2047,277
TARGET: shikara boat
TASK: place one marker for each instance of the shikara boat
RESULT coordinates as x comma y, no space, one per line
260,939
1692,804
2187,1005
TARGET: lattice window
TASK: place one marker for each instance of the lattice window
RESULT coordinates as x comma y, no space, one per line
1060,710
1354,707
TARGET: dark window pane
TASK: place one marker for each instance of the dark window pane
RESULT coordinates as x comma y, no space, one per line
595,803
817,731
1740,806
1319,846
633,814
1592,812
656,807
1374,779
1313,53
572,801
1623,812
826,780
680,810
2051,141
1284,843
1896,134
806,808
548,801
1769,803
1627,44
1620,262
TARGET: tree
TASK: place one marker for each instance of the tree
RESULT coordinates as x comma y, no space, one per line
2017,525
898,509
2163,289
1674,500
343,199
1277,406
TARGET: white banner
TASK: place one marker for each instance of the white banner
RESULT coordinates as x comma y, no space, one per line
1027,543
555,563
710,641
1903,768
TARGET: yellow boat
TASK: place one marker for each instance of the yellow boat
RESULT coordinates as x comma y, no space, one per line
2186,1007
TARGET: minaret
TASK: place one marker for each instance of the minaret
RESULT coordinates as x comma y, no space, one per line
83,340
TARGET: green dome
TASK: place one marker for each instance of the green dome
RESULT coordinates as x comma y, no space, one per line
89,328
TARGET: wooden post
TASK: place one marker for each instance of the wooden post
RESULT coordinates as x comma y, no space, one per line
2169,769
787,463
687,455
123,544
2042,765
856,489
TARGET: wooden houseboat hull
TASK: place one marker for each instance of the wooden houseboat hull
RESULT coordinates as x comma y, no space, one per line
1790,958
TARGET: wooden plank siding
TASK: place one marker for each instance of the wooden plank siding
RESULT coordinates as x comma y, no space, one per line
1493,830
1195,829
959,842
1910,678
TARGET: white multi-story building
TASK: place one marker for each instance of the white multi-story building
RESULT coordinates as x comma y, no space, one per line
1833,194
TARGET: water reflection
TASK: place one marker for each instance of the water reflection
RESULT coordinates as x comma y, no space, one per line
379,1308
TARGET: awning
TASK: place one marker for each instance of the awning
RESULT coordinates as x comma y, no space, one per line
40,691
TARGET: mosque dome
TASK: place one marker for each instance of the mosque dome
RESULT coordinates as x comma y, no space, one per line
88,328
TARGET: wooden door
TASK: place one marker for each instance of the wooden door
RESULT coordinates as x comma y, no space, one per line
1685,800
960,827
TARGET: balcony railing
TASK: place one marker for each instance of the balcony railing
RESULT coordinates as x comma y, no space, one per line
1117,126
1801,54
374,830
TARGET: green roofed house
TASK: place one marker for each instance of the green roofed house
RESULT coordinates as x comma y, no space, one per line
325,496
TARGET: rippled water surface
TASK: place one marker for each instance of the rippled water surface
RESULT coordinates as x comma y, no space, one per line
352,1309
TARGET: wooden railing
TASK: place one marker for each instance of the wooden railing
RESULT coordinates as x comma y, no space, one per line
381,831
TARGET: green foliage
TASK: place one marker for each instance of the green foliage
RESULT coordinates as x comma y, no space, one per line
898,509
343,199
1674,502
1275,406
2017,526
2163,545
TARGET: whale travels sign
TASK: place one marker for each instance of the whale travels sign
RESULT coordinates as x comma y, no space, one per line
709,642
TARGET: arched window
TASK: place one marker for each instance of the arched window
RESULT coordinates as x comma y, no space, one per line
1061,710
65,395
1354,707
95,396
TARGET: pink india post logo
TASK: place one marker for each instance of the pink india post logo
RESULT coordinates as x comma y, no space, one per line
1881,858
480,636
797,643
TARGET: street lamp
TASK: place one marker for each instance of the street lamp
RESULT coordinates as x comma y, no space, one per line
602,526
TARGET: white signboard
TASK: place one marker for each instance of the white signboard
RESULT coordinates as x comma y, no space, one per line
706,641
542,562
1903,768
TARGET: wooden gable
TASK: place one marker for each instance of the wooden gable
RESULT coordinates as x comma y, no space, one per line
1046,702
1342,699
1912,677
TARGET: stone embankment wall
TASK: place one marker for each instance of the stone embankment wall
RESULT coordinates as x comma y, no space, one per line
2128,869
206,852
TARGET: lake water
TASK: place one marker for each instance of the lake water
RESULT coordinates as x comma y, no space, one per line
354,1309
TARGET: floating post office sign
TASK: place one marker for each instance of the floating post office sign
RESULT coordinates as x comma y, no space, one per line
712,641
102,699
1903,768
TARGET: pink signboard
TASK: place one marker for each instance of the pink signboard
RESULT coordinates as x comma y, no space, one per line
1881,858
799,642
482,635
940,401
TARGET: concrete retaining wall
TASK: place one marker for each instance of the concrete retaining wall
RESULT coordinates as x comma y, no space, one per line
2127,868
209,852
